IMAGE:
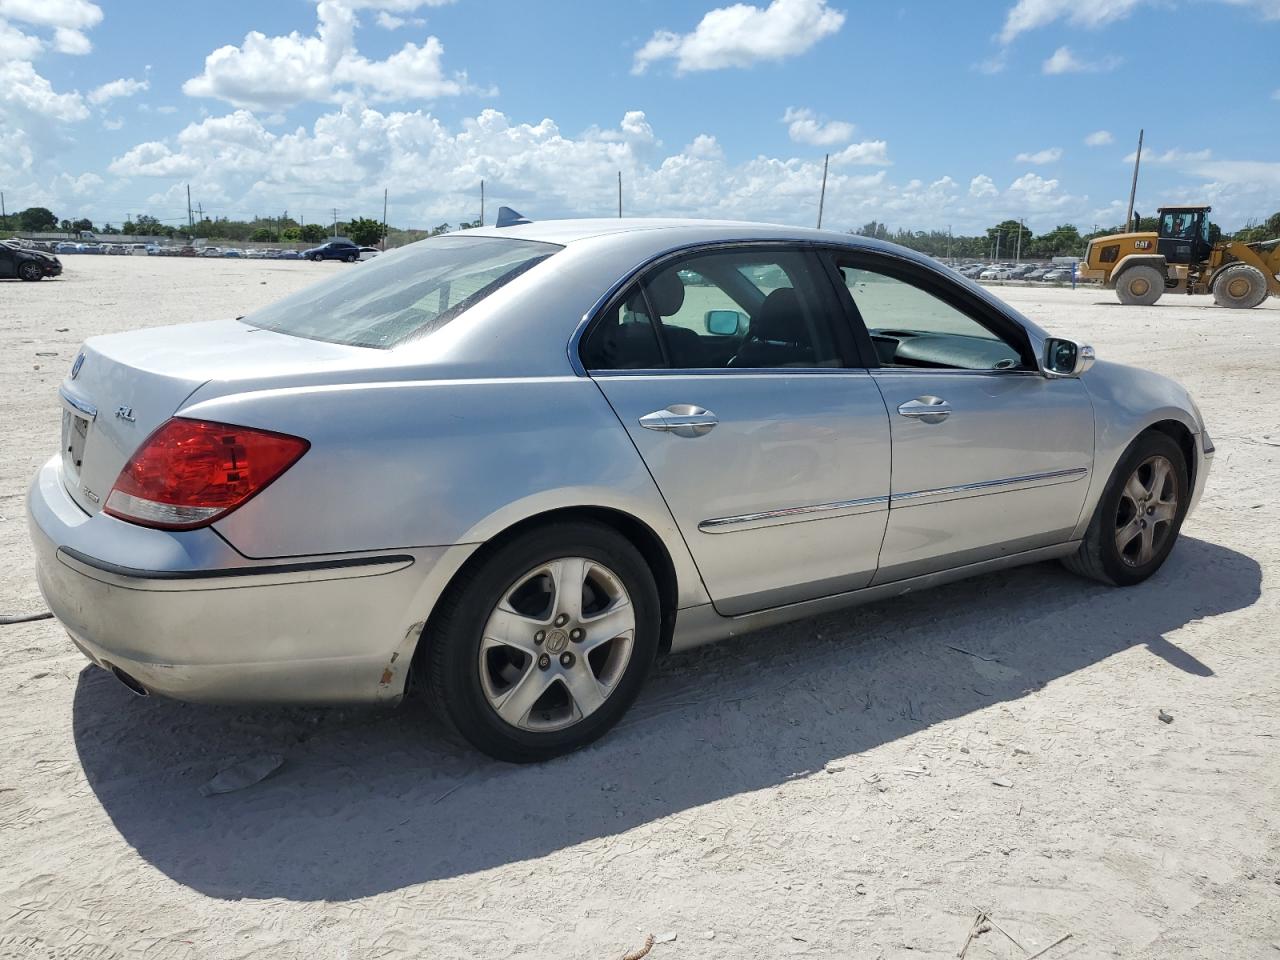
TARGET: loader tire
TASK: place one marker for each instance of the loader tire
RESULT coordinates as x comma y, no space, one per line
1140,286
1240,285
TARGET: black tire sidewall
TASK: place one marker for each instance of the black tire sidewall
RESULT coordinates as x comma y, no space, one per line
1152,443
29,271
455,681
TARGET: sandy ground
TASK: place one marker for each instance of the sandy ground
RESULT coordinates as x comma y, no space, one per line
854,786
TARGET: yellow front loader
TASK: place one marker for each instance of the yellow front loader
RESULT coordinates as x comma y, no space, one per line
1179,258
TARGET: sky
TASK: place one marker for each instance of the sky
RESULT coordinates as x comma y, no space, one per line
935,114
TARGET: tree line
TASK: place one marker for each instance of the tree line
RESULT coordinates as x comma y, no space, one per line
1003,240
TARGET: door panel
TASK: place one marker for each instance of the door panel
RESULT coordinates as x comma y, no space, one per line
1005,470
784,497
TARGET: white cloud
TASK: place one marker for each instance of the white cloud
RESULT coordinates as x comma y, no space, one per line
389,21
1099,138
124,87
992,65
66,40
16,45
274,73
1032,14
1176,155
113,123
982,186
21,88
804,126
1049,155
65,14
872,153
1064,61
742,35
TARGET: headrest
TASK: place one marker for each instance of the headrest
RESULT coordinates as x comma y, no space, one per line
666,293
779,317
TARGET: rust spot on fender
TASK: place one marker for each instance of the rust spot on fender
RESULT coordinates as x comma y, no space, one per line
386,676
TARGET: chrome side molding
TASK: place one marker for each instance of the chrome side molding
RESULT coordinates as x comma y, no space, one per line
76,403
989,486
817,511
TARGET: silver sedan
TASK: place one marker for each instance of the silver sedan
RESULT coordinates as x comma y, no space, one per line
510,467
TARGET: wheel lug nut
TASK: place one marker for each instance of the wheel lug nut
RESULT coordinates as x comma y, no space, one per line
539,636
562,620
566,659
544,662
576,634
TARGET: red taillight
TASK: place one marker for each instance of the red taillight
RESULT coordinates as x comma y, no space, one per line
191,472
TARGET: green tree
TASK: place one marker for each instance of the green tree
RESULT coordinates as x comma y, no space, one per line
440,228
364,231
262,235
84,223
37,220
313,233
291,234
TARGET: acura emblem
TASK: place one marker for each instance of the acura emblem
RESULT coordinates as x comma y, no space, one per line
75,367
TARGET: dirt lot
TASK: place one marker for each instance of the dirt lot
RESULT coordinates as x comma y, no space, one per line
854,786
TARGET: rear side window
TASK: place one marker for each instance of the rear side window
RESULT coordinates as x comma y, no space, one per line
624,339
405,294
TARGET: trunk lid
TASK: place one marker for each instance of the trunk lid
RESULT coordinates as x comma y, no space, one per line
123,386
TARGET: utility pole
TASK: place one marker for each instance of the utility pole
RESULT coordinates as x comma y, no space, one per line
998,232
619,194
384,209
1018,258
4,214
1133,190
384,214
191,224
335,221
822,196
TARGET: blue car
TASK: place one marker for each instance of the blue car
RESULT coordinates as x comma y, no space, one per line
336,249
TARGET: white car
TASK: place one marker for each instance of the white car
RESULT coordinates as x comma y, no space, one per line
368,253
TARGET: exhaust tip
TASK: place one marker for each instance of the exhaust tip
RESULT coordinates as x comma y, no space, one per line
134,686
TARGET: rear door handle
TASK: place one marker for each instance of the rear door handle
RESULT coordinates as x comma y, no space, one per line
926,409
682,419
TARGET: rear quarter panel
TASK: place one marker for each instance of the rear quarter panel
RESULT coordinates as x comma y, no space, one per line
435,463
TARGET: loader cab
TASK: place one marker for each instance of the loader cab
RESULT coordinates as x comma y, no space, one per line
1184,234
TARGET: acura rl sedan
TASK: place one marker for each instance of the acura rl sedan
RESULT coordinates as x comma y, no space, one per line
508,468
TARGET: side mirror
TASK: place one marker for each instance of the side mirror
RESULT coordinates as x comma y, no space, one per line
723,323
1066,358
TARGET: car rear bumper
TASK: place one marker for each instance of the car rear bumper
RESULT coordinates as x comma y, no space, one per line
185,615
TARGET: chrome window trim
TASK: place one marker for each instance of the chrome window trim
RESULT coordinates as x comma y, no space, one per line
953,371
771,372
983,487
769,518
84,406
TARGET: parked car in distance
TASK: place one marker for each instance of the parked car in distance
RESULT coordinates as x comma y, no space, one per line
95,248
519,463
368,253
1058,275
290,255
336,249
211,252
188,251
233,252
26,263
66,247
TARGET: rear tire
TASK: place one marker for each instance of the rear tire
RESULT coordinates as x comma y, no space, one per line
516,675
1241,286
30,271
1137,521
1140,286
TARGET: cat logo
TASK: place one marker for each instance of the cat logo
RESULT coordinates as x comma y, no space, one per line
1142,244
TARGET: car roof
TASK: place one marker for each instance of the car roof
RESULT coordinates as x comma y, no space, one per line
662,231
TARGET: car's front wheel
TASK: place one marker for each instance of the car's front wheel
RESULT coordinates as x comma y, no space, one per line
1138,518
30,271
546,643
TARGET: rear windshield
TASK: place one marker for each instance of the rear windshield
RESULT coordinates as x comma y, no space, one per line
405,294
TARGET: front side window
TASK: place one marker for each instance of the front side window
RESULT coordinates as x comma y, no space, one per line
405,294
913,329
738,309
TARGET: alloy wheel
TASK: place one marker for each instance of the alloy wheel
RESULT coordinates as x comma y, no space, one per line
557,644
1147,510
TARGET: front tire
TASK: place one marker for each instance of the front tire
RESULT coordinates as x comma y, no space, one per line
543,647
30,271
1137,521
1241,286
1140,286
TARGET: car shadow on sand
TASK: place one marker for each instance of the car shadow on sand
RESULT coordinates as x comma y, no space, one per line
371,801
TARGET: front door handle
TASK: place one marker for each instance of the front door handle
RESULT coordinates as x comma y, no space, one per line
926,409
682,419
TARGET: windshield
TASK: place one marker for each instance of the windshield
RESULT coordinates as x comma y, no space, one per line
409,293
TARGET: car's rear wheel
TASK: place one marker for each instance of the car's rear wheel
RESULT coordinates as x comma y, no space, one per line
1140,286
1138,518
350,258
544,646
315,258
30,271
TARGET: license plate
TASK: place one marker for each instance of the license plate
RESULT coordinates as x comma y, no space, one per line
75,429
